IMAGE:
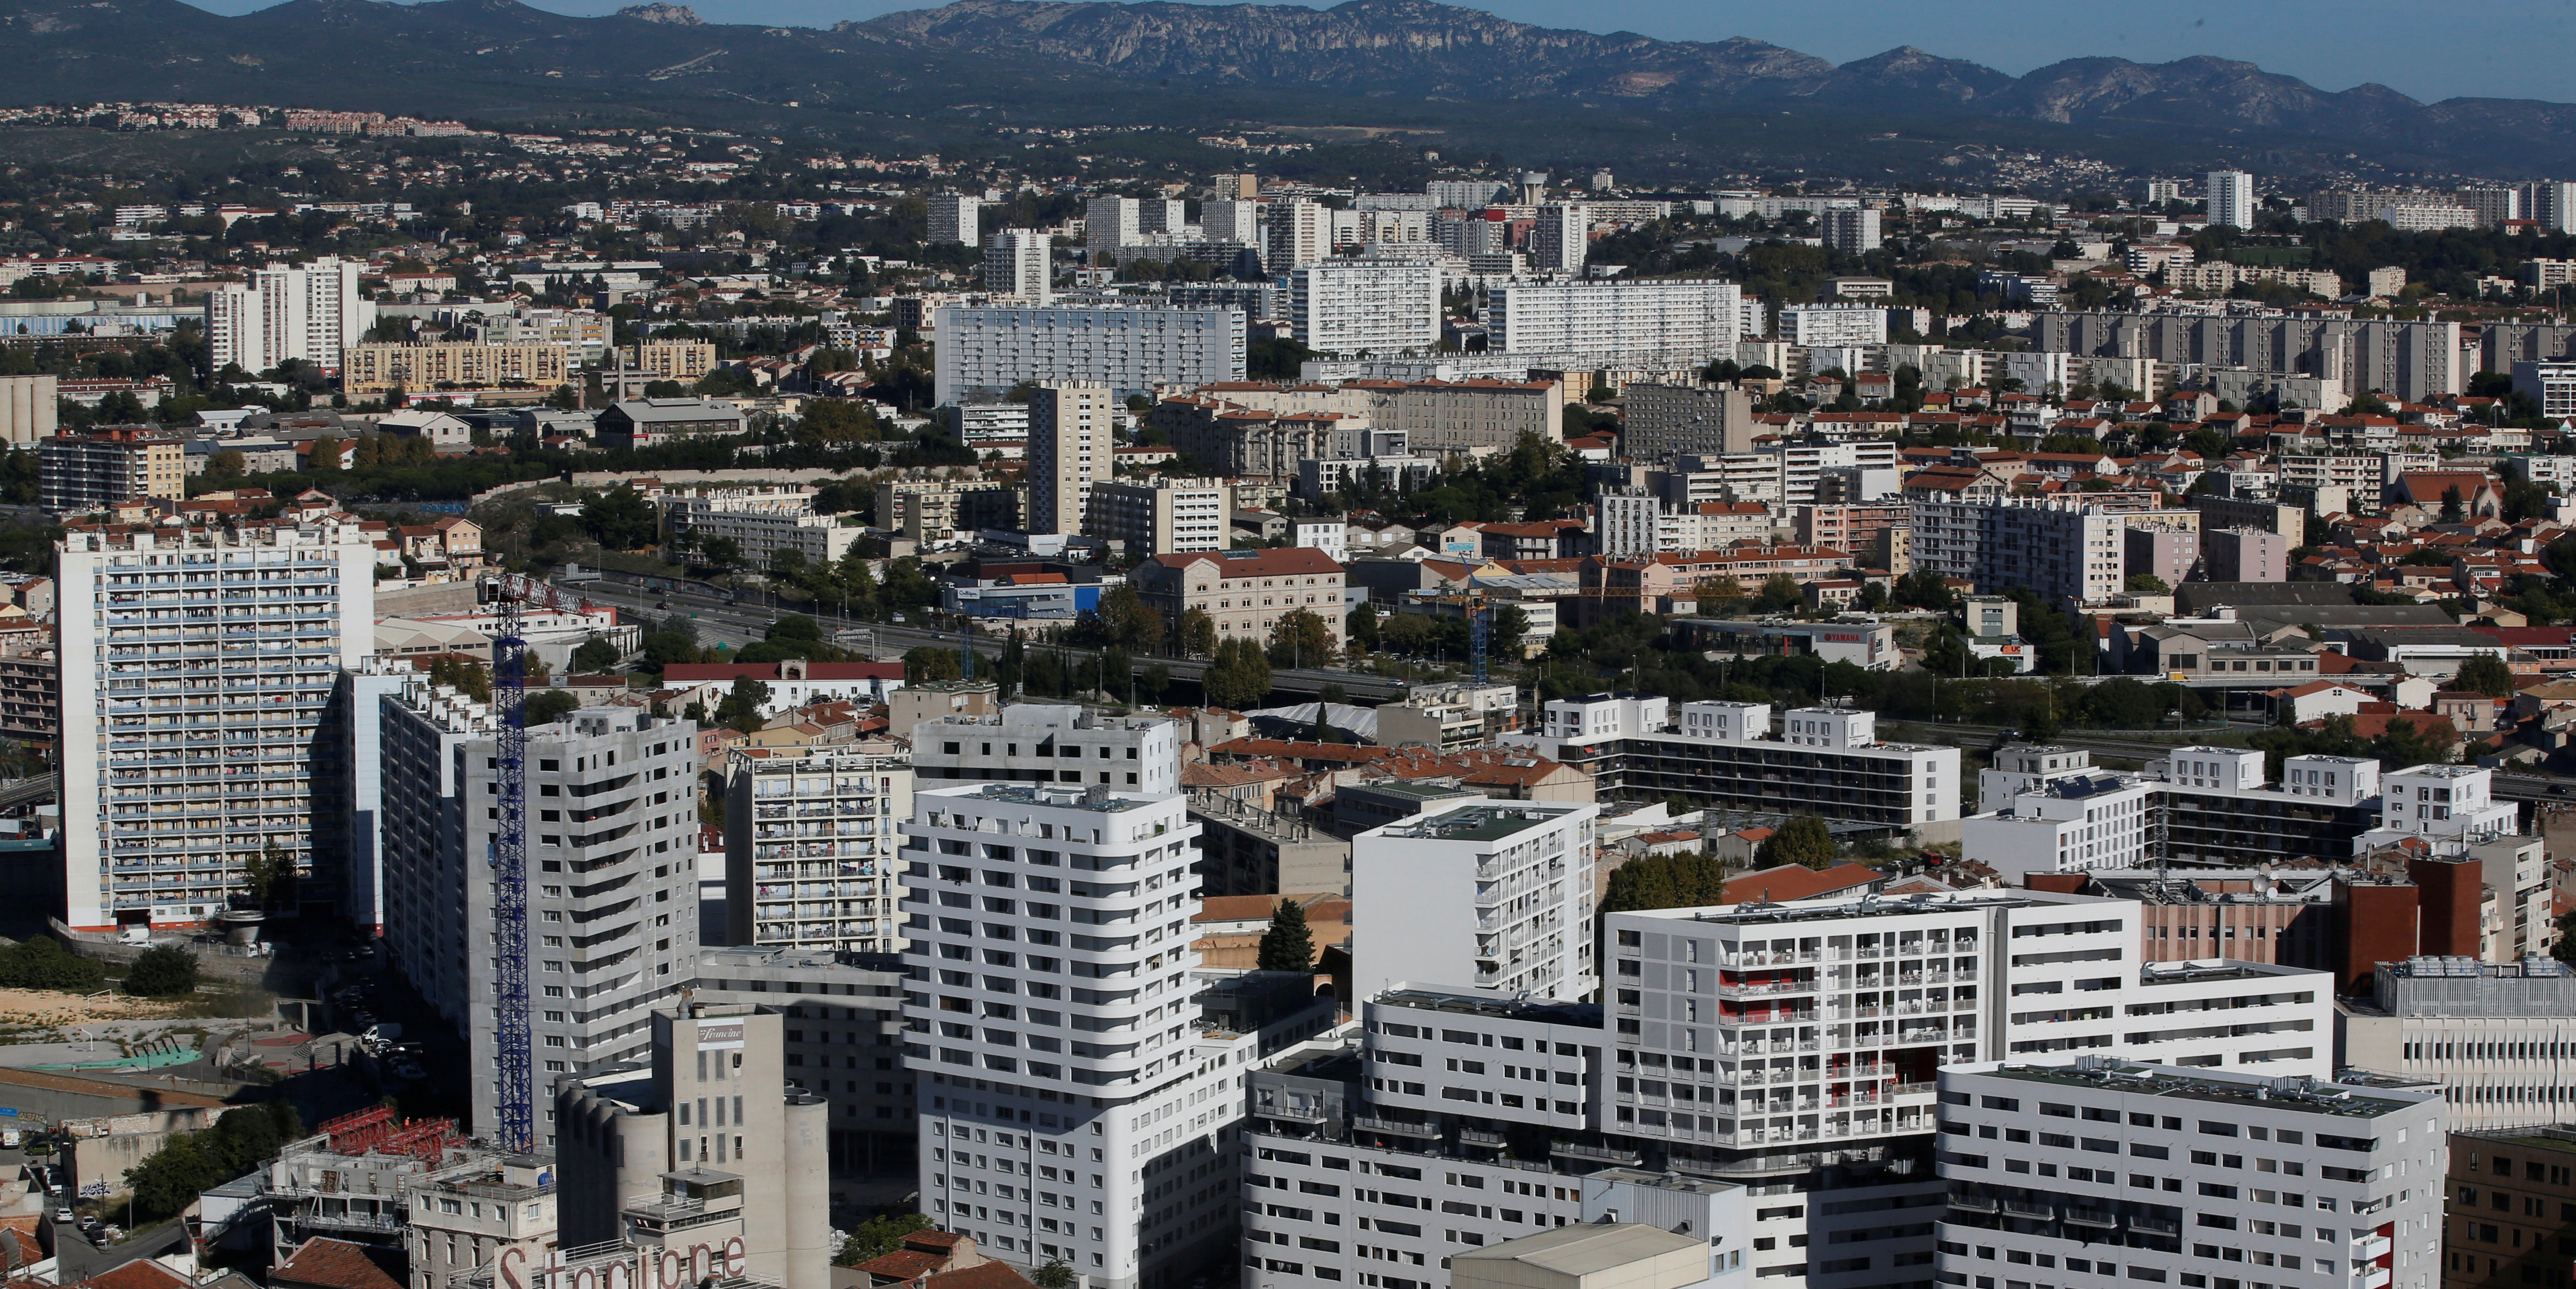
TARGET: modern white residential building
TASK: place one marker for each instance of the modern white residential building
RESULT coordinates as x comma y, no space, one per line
196,692
1561,238
704,1142
760,526
1647,317
1301,233
1494,893
1019,266
2071,824
809,848
2106,1171
611,872
1155,516
2451,806
1073,1101
1057,743
2491,1035
1374,304
956,218
1825,761
1073,444
1794,1047
2219,811
1110,222
2230,197
1851,229
308,311
983,352
1231,221
1815,325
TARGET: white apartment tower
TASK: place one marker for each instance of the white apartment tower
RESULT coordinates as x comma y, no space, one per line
2230,195
1301,232
1051,743
1851,229
612,886
198,674
956,218
1375,304
308,311
1109,223
1618,317
1493,893
2103,1171
1019,266
1071,445
1231,221
1072,1102
809,848
1561,239
984,351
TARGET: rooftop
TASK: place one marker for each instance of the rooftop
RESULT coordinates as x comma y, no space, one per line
1546,1010
1588,1249
2302,1095
1065,798
1478,823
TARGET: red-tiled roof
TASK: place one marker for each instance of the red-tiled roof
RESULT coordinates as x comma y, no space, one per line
1796,882
334,1264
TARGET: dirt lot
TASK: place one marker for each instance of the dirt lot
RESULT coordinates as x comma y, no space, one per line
37,1007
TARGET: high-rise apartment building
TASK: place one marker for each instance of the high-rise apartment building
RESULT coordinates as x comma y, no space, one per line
1156,516
1497,894
2064,549
1301,232
704,1144
1053,743
956,218
1824,761
1072,444
1851,229
1664,421
1658,317
1018,265
84,472
1815,325
809,848
2551,203
2103,1170
1561,239
371,369
307,311
1381,304
30,408
1109,223
612,887
198,674
983,352
1169,215
1231,221
2230,198
844,1041
1073,1103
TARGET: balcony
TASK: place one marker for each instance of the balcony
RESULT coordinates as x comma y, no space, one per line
1603,1154
1396,1127
2031,1209
2092,1217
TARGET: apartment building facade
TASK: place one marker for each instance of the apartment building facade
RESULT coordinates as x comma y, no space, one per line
1824,761
1050,743
371,369
1494,894
760,526
2492,1036
984,351
198,674
809,848
308,311
1639,318
1378,304
842,1033
612,893
1161,516
1072,445
1245,593
84,472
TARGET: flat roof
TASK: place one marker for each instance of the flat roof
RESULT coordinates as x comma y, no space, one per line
2306,1096
1586,1249
1479,823
1493,1005
1870,907
1064,798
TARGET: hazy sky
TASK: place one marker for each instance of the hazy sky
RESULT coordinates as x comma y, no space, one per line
2496,49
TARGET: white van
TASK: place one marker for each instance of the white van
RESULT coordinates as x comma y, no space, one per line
135,935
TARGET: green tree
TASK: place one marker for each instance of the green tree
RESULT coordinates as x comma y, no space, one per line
546,706
1238,677
1779,594
619,519
1301,638
1287,945
1359,629
1689,880
1508,633
794,628
1054,1275
740,708
595,655
1198,634
2148,584
38,962
925,664
2486,674
879,1236
1803,840
227,464
162,971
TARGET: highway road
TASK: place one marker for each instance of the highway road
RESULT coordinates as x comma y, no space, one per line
740,624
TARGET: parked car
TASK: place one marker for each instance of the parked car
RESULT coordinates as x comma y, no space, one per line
62,1215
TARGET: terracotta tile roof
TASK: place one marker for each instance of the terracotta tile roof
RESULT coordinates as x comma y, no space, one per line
1795,881
1236,908
991,1275
903,1264
334,1264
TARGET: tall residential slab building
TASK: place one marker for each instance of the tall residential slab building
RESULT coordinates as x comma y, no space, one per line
611,877
1663,317
307,311
1054,743
1497,894
956,218
1072,445
1018,264
1561,238
199,669
1079,1096
985,351
1374,304
809,848
1109,223
2230,196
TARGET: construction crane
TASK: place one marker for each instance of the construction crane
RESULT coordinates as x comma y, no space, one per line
516,1118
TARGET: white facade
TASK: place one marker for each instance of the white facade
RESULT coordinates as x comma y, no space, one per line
1132,350
2230,195
308,311
1561,238
2492,1035
1064,1075
1654,317
1494,893
2069,825
1725,754
1301,232
1812,325
1110,222
1372,304
612,888
1072,445
1019,264
1231,221
2063,549
761,530
1058,743
1850,228
809,849
1161,515
956,218
2209,1176
2451,806
249,633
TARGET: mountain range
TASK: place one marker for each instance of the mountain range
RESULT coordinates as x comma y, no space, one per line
1408,66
